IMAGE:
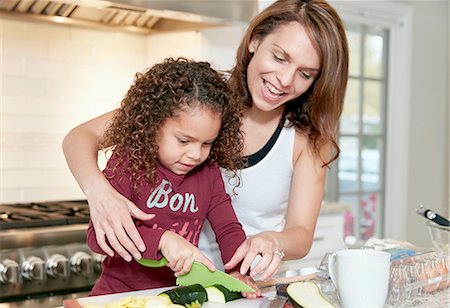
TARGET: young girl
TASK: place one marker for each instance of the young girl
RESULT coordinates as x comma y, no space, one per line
175,124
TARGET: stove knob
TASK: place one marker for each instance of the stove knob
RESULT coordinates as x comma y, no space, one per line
81,263
98,261
57,266
33,269
9,271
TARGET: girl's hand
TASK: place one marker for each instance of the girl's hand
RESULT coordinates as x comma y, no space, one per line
249,281
180,253
263,244
111,214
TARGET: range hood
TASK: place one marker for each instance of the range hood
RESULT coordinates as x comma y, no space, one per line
145,16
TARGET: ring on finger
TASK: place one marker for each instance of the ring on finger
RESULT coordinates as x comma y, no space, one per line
279,253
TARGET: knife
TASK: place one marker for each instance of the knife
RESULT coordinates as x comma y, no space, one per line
273,302
278,300
199,273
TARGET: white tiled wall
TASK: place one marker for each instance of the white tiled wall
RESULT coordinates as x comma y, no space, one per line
54,77
216,45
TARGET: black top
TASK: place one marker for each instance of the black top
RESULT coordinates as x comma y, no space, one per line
258,156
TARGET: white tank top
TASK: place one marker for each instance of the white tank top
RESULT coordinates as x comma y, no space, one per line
262,205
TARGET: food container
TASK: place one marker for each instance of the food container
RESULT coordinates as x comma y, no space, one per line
415,272
440,236
420,275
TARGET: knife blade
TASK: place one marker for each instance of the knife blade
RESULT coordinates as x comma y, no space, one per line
273,302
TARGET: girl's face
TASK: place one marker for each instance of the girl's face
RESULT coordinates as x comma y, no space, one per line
185,139
284,65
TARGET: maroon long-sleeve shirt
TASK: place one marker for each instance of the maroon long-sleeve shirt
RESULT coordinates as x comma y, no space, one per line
181,204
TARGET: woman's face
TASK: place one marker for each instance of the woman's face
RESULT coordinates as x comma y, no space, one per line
284,65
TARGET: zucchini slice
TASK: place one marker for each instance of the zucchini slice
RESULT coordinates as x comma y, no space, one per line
306,294
156,302
219,294
192,296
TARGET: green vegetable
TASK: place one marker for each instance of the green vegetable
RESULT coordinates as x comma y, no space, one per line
152,263
306,294
219,294
192,296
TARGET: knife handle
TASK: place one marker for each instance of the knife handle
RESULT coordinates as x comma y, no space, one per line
440,220
433,216
153,263
281,280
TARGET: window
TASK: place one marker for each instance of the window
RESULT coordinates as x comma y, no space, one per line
372,171
359,172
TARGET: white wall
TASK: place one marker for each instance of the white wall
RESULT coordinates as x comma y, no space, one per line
220,45
173,44
206,45
428,182
53,78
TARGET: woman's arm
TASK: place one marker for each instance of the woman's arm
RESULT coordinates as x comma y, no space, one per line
303,209
110,212
306,194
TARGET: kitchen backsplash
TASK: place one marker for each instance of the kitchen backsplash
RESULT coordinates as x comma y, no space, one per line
55,77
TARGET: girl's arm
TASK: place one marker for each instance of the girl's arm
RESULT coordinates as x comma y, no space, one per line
228,230
110,212
303,210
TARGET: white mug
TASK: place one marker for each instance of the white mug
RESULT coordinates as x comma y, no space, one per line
361,276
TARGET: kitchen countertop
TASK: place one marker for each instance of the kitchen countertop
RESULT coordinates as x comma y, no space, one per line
266,287
438,299
105,299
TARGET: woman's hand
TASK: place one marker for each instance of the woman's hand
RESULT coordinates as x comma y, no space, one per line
180,253
263,244
248,281
111,213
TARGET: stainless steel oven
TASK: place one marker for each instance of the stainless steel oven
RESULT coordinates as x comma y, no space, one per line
43,253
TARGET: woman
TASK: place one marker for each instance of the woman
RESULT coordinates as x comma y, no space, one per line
290,76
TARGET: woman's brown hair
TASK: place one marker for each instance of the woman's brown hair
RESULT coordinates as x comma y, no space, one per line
316,112
159,93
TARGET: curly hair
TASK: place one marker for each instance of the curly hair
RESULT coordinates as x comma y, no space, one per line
315,113
157,94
